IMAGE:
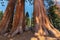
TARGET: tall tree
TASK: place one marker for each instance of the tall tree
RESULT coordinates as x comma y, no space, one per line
1,14
7,15
43,27
18,18
27,19
23,9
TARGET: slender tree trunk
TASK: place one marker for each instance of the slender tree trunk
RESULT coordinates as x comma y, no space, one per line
43,27
7,15
18,18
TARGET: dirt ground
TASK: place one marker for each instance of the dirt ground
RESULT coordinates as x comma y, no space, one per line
26,36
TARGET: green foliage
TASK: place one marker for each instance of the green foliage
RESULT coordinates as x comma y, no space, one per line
30,1
27,19
32,21
50,2
54,17
27,15
1,14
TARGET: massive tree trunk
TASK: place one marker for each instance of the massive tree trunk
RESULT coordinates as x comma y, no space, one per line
18,18
10,23
24,22
43,27
7,15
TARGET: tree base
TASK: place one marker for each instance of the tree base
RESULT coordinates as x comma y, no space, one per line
28,36
44,38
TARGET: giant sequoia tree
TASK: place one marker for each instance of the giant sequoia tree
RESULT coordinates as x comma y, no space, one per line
43,27
7,15
18,18
42,23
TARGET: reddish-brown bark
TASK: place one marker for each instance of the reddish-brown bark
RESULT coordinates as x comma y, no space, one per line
7,15
18,18
43,26
24,22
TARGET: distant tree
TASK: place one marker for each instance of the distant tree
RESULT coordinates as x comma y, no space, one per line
1,15
27,19
32,21
54,15
27,14
2,3
50,2
30,1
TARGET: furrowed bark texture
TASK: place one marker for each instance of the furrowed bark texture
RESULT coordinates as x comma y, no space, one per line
24,17
7,15
43,26
18,18
24,22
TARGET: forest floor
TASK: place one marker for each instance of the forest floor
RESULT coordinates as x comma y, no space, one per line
27,36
